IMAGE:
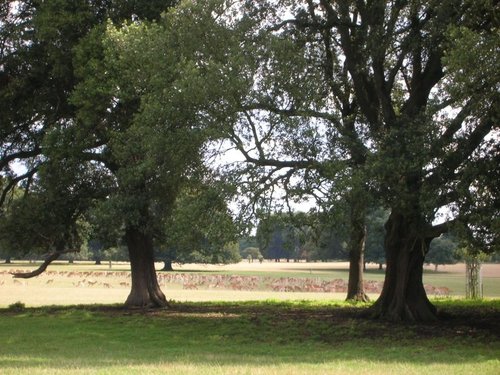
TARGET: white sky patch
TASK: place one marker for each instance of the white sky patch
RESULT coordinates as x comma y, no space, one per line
18,168
443,215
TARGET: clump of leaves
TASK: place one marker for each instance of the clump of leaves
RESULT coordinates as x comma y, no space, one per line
17,306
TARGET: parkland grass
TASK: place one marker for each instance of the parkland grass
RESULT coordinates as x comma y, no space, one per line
266,337
281,333
63,290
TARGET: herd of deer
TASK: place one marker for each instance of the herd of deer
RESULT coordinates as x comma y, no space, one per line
110,279
78,279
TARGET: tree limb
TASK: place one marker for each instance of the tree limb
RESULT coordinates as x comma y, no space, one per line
437,230
23,154
12,183
465,148
264,161
50,258
292,112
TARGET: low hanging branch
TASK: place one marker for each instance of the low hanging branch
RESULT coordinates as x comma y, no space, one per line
50,258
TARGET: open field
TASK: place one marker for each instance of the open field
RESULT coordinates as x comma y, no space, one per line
247,338
284,333
85,283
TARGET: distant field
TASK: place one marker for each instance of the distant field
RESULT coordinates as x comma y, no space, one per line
85,282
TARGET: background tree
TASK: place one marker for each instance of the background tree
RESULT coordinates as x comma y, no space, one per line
375,252
329,248
275,238
118,253
200,228
251,253
96,250
301,236
443,250
248,245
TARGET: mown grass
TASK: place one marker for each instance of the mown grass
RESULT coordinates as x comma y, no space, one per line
246,338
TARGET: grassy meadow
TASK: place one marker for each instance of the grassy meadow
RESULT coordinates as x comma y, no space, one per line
70,320
69,284
271,337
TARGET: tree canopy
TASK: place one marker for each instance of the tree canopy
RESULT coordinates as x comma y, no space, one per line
97,138
355,104
361,101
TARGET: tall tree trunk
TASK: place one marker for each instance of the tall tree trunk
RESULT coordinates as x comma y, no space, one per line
355,287
474,284
403,296
145,291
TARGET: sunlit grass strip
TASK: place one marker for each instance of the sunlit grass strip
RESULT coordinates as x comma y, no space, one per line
211,366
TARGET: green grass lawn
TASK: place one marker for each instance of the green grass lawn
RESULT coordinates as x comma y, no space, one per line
247,338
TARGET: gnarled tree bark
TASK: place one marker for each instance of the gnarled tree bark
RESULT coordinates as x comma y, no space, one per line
145,290
403,296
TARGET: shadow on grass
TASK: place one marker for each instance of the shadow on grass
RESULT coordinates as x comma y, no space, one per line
248,334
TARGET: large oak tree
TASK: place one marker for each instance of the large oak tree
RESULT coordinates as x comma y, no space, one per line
90,136
423,144
368,99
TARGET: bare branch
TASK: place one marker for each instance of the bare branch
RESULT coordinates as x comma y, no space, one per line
50,258
439,229
12,183
258,143
24,154
456,123
464,150
263,161
294,112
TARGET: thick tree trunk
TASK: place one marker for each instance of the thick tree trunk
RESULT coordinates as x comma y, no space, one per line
167,265
145,291
355,287
7,260
403,296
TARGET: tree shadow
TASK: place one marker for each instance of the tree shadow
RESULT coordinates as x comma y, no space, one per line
245,334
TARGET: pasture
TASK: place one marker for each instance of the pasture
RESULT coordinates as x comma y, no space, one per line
277,318
87,283
246,338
